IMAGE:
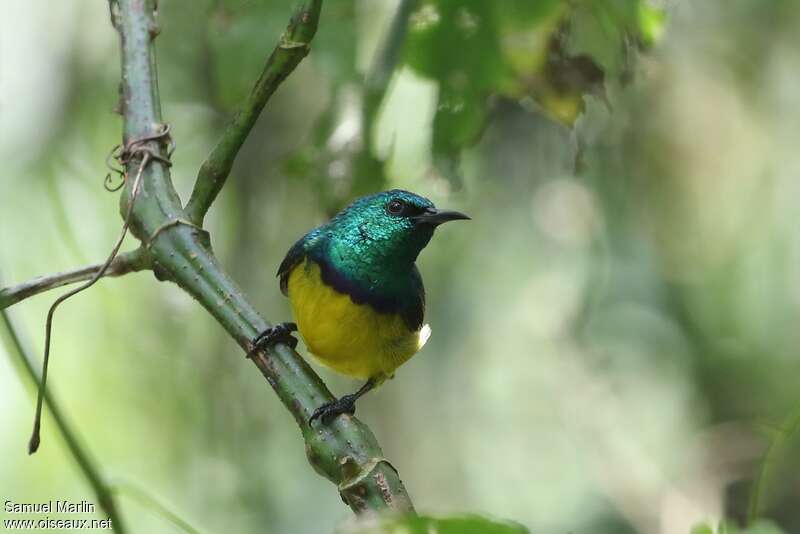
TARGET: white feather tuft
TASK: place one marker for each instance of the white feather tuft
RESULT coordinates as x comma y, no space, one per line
424,335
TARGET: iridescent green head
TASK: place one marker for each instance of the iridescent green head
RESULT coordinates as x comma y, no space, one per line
386,230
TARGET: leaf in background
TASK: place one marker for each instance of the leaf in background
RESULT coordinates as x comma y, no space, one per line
594,45
468,524
728,527
651,23
607,31
600,31
456,43
525,32
551,52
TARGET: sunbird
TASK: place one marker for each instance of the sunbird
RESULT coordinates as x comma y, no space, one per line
356,295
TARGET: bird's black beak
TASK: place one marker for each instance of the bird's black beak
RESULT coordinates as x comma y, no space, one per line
437,217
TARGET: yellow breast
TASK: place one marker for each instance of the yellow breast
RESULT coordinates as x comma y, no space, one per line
350,338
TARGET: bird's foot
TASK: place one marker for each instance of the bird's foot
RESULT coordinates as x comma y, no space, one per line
280,333
345,404
328,411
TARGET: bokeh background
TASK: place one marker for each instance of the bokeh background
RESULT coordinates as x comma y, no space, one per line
615,334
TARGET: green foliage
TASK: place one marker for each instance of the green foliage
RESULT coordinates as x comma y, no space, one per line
467,524
604,31
729,527
551,53
464,47
547,54
457,44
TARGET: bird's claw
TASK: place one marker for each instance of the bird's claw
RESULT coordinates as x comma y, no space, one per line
329,410
280,333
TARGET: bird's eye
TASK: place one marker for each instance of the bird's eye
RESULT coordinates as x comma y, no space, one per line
395,207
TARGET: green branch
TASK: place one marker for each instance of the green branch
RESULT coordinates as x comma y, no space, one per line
86,464
129,262
344,451
290,51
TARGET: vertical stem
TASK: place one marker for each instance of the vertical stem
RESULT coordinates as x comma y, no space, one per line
86,464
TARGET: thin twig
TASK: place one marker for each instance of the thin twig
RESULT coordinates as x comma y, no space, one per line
137,493
125,263
290,51
86,464
33,445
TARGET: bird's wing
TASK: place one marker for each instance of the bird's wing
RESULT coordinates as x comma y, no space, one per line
295,255
413,312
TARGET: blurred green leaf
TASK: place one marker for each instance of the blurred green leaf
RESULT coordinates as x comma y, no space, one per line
601,30
457,44
728,527
552,51
468,524
651,23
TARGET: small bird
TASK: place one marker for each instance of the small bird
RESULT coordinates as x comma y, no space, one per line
355,292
